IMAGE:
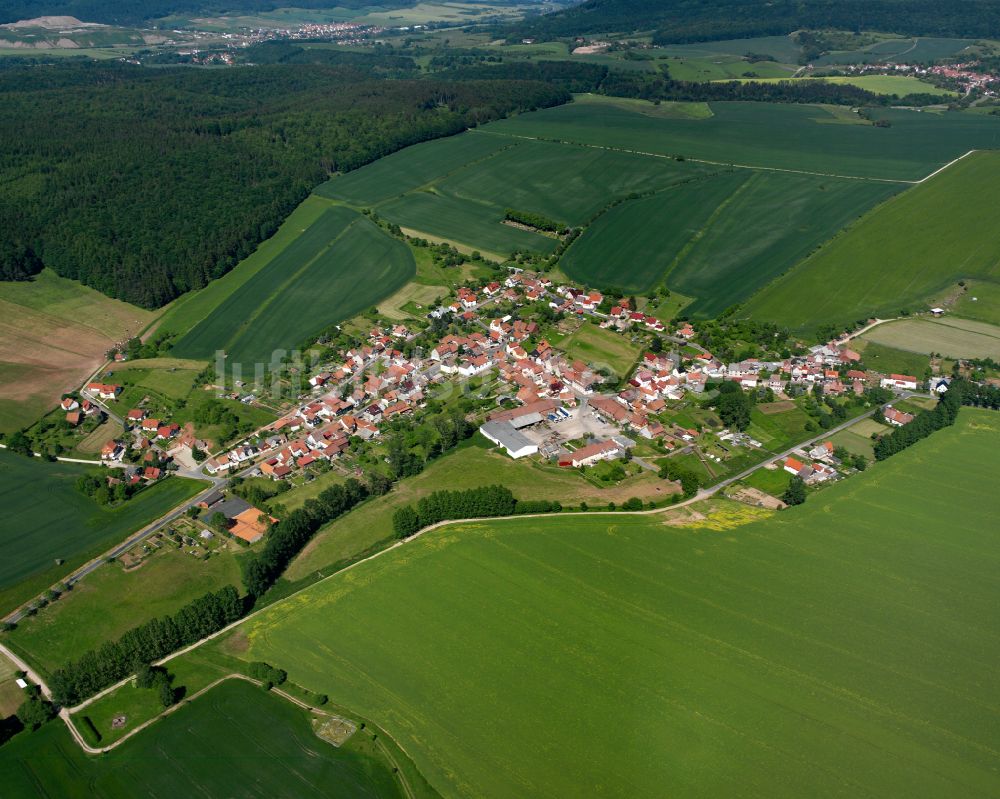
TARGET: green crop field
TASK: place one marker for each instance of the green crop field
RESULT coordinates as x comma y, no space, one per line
718,239
898,255
475,225
308,285
878,84
111,601
46,518
782,48
234,741
466,203
567,183
950,336
410,169
726,68
796,137
904,50
634,244
187,311
846,647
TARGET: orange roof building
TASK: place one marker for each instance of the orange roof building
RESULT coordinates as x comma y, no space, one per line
250,526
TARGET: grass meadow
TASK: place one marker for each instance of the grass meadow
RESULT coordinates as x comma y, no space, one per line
847,646
46,518
601,348
889,360
236,740
309,284
111,601
980,301
471,466
950,336
896,256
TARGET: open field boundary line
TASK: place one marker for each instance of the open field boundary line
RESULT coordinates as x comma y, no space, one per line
896,181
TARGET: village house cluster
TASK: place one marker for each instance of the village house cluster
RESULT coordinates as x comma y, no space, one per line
548,399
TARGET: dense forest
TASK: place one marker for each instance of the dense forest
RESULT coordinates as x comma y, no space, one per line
147,183
584,77
703,20
133,12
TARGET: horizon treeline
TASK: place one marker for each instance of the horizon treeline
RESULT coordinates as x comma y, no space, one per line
680,21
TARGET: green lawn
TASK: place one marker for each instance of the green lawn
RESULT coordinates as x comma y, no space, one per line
234,741
778,431
46,518
601,348
890,360
898,255
307,285
111,601
845,647
771,481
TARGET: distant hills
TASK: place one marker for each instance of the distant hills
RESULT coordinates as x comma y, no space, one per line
703,20
135,12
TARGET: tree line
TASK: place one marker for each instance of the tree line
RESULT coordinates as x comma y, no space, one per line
98,668
537,221
287,538
473,503
147,183
959,393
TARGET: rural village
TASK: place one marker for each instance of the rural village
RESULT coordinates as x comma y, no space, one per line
547,404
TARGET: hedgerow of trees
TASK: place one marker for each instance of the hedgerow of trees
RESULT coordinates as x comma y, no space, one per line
959,393
98,668
473,503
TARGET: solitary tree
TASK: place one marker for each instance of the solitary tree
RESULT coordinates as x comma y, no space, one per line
795,494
